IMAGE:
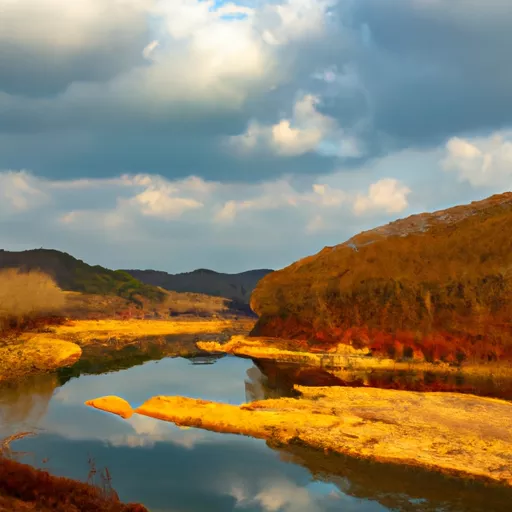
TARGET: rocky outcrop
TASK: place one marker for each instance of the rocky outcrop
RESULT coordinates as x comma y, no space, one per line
448,432
433,286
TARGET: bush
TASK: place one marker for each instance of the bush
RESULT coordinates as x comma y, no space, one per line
26,296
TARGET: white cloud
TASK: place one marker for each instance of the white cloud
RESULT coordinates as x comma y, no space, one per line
387,195
303,133
198,54
281,495
482,162
162,203
294,19
149,49
20,192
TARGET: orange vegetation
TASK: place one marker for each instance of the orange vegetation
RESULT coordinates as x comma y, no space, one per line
23,488
435,287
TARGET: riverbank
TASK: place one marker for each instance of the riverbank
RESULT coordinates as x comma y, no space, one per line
451,433
23,488
342,357
84,332
38,354
32,352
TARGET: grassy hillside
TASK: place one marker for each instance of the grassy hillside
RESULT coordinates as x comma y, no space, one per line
75,275
237,287
435,286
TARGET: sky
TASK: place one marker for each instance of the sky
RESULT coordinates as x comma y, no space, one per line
183,134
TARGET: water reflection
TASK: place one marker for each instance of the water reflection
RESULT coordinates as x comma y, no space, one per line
170,469
399,488
279,379
97,358
25,402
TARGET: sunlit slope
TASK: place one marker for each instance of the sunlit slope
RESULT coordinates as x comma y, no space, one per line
437,286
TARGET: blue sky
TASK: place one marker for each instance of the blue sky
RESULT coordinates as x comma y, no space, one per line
177,134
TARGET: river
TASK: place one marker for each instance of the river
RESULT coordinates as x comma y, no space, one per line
169,469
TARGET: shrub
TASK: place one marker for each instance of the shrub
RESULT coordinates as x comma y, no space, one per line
25,296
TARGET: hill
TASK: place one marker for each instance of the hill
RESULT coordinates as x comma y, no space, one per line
432,286
72,274
95,291
236,287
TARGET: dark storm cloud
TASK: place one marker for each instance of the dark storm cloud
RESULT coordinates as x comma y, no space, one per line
436,68
30,73
418,72
62,155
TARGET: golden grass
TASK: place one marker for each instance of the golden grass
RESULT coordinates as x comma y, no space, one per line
448,432
87,331
26,295
40,353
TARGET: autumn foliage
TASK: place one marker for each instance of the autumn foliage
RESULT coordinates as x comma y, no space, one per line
25,488
435,287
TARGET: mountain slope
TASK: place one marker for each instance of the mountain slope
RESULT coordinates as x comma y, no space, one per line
435,286
75,275
237,287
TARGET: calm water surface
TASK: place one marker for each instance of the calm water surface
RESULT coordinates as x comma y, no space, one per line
174,470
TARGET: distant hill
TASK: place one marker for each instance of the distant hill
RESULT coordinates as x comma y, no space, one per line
72,274
436,285
237,287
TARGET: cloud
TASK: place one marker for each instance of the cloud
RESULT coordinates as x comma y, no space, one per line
139,85
46,45
387,194
309,119
483,161
19,192
149,221
162,203
149,49
303,133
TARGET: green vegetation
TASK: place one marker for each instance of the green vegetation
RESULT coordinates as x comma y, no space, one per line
433,286
75,275
102,281
236,287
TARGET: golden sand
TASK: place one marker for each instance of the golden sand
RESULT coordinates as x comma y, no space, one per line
448,432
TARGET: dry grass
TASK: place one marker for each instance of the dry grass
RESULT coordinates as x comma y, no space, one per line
23,488
195,303
24,296
89,331
94,306
40,353
448,432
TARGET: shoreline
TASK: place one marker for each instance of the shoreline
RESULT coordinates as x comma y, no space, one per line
344,359
429,430
61,346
